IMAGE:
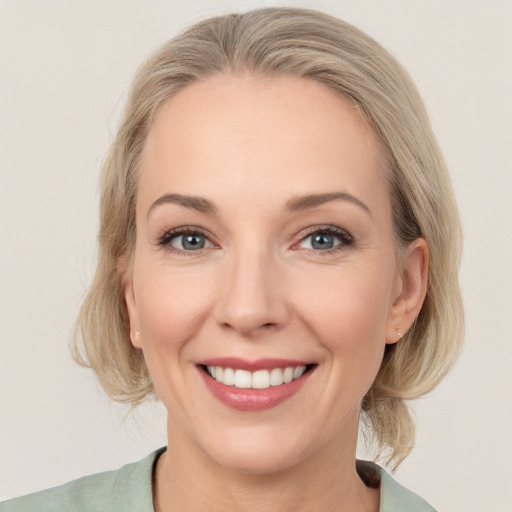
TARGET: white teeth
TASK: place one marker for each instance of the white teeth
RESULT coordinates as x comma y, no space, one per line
287,375
242,379
276,377
298,371
260,379
229,377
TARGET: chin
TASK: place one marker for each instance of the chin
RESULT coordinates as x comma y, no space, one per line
256,461
259,450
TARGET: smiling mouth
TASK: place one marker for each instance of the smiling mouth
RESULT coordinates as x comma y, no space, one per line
259,379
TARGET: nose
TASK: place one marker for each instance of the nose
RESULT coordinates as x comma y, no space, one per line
253,298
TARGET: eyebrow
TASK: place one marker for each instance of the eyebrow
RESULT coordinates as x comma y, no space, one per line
295,204
301,203
196,203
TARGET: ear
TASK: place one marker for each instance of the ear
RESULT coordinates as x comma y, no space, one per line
131,304
409,291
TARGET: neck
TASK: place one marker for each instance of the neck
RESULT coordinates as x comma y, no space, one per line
186,479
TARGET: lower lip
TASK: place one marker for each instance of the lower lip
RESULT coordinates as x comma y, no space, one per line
253,399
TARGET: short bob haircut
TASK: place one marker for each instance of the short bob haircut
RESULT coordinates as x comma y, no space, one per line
301,43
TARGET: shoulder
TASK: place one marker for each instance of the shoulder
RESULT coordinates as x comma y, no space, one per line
128,488
393,496
87,494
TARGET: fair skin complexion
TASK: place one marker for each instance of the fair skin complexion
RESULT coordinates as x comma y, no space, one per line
261,274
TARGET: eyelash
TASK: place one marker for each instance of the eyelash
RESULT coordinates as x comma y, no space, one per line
345,238
166,239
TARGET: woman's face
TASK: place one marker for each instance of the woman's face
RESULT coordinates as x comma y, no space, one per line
264,242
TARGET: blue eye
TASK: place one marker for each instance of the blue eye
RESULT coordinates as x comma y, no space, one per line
322,241
189,242
325,239
184,241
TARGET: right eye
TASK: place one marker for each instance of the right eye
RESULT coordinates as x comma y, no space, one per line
183,241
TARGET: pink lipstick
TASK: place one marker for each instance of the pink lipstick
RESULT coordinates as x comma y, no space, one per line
254,385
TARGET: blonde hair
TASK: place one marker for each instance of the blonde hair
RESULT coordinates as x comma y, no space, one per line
310,44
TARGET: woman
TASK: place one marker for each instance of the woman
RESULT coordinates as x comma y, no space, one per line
279,250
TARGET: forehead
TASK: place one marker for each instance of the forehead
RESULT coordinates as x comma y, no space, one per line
250,130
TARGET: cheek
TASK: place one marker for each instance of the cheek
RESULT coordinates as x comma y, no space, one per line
348,316
170,304
171,308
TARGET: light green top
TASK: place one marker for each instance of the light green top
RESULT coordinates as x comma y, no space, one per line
129,489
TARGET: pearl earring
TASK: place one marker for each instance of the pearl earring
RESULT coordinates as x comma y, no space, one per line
137,335
399,333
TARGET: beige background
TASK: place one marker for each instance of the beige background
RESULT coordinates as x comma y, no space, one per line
64,70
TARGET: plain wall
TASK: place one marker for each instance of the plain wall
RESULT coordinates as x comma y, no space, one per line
64,71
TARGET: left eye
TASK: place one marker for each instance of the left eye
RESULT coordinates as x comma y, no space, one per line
189,242
325,239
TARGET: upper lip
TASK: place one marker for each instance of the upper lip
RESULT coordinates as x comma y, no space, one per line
252,365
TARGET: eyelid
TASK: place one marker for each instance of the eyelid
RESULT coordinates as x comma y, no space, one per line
164,240
346,239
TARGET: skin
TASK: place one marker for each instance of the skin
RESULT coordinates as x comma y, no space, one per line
259,289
